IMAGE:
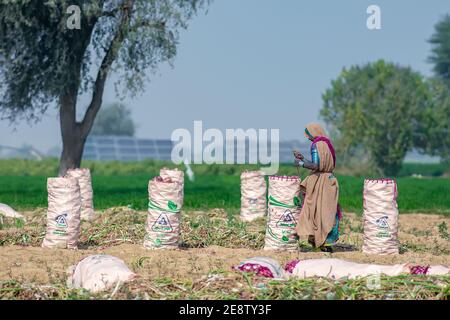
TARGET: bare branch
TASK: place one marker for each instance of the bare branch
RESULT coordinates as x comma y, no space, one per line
104,69
148,24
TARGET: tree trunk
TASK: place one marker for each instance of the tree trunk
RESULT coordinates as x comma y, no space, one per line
72,140
71,154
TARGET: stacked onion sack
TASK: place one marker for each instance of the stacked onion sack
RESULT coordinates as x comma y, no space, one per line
164,213
175,175
83,175
63,215
253,195
380,217
283,213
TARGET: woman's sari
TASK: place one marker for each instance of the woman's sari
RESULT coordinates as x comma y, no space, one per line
320,213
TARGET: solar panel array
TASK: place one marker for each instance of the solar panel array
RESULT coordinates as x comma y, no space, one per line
106,148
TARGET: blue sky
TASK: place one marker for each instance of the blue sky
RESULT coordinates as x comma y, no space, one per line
263,64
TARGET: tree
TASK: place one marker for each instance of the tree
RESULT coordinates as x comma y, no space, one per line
114,119
440,53
378,107
433,134
45,59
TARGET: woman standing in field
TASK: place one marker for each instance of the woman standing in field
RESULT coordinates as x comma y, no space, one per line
320,213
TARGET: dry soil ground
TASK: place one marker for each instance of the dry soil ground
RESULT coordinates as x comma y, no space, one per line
213,244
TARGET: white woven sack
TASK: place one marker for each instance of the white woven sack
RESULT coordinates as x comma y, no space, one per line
63,215
9,212
380,217
83,175
175,175
98,273
253,195
163,220
337,268
283,213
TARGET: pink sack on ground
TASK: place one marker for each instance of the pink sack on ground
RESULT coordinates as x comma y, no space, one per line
262,267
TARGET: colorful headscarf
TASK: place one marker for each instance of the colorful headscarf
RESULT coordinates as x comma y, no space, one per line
316,133
314,130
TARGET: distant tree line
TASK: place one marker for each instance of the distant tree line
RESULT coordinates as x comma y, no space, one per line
114,119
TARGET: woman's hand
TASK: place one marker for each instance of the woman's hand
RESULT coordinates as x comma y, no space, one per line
298,155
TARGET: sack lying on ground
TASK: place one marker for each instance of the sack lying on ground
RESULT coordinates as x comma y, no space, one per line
332,268
283,213
163,220
175,175
9,212
253,195
83,175
380,217
98,273
336,268
262,266
63,215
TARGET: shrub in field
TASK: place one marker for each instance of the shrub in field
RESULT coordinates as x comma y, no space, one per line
443,231
24,167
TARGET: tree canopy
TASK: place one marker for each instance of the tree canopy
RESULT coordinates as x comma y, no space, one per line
433,134
440,52
378,107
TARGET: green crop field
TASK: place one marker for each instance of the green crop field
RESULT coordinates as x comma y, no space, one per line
23,185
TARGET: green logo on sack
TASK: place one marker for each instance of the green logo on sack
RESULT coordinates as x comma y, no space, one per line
172,205
383,234
60,233
287,236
